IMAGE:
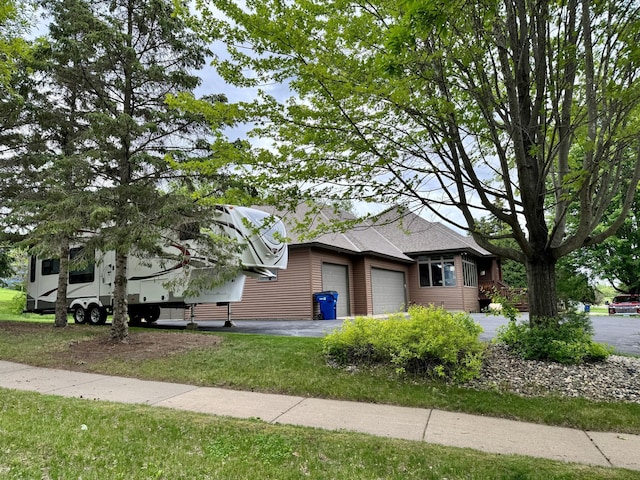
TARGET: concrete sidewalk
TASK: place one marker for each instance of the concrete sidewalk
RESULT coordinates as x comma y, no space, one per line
418,424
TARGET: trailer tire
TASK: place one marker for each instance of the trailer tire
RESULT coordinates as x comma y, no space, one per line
96,315
135,317
152,314
79,314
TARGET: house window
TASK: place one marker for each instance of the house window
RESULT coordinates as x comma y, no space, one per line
437,271
469,271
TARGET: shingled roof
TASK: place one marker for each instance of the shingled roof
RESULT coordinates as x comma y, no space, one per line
361,238
415,235
393,234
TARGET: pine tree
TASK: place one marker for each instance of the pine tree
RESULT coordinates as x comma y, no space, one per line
128,56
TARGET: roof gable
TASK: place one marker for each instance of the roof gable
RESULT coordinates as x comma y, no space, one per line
414,235
392,234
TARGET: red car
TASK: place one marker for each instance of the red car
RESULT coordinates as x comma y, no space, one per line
625,304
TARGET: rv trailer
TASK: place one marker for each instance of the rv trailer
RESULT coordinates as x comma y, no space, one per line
151,281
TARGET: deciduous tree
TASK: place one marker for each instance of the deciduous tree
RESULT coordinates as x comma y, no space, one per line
525,111
616,260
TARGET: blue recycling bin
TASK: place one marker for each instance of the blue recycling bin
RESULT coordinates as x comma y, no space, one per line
328,302
587,308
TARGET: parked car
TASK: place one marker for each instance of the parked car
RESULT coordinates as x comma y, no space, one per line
625,304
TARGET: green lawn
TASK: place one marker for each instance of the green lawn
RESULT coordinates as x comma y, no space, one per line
62,438
7,309
138,442
599,310
296,366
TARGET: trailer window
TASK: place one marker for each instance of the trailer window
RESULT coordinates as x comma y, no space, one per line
32,269
50,266
86,272
189,231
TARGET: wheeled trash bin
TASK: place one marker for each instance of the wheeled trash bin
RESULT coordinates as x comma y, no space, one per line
328,302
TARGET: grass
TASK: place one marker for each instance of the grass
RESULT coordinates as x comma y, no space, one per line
95,440
295,366
50,437
7,311
599,310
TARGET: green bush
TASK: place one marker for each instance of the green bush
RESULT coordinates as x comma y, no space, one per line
430,341
18,303
566,339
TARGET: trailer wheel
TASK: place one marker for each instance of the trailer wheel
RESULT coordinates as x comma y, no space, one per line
79,314
152,314
135,318
96,315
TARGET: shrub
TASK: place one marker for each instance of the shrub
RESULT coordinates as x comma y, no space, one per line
567,339
18,303
430,341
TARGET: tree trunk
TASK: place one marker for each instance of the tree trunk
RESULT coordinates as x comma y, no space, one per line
63,281
119,327
541,281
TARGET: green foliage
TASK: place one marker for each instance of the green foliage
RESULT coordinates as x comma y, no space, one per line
514,274
615,260
572,284
14,17
18,303
5,264
431,341
508,304
563,340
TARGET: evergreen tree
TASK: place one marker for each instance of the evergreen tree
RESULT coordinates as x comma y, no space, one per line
126,56
56,201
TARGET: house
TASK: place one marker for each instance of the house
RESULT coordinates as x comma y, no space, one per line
376,268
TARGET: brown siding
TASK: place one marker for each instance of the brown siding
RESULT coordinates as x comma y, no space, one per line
359,298
288,297
471,302
291,295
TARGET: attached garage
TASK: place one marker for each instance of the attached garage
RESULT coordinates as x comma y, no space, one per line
389,292
336,277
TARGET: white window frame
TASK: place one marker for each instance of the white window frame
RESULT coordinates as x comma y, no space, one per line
469,271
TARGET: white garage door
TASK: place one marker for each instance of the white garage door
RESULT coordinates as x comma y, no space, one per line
336,278
389,292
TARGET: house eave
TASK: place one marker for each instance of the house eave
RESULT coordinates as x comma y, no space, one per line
354,253
451,251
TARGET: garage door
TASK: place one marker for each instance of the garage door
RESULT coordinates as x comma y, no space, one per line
336,278
389,292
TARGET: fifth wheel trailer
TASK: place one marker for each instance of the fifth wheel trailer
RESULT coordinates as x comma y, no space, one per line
150,280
